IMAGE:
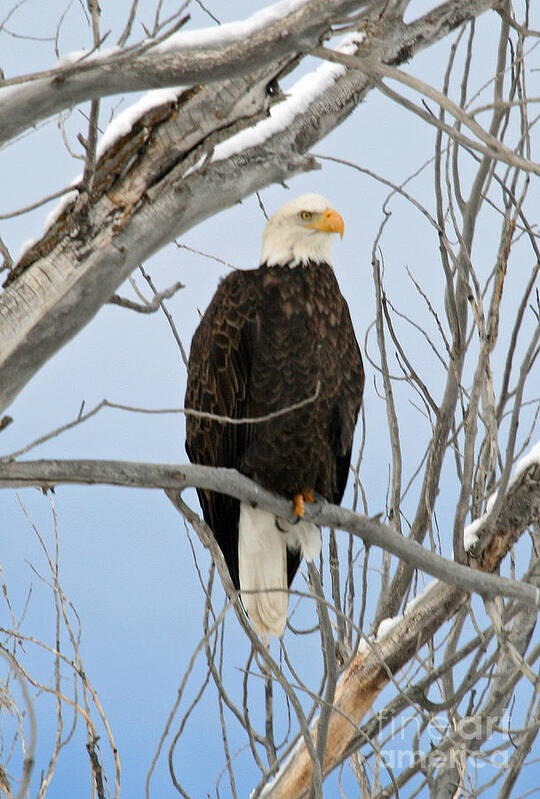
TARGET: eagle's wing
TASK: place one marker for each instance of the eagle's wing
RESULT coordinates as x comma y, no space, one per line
218,383
348,406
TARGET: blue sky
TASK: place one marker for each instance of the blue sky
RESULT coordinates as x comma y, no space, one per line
125,560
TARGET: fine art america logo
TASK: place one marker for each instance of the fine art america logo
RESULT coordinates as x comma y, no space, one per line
443,743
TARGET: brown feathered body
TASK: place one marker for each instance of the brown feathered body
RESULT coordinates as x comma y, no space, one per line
273,337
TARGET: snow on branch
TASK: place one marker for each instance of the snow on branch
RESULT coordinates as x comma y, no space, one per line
169,174
299,98
473,531
285,28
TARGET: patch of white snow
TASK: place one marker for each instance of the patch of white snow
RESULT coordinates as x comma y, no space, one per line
470,533
229,32
470,536
386,626
27,245
415,600
123,122
297,100
51,218
76,56
533,456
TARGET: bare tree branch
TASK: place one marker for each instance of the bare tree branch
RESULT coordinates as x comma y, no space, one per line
29,762
493,147
525,490
150,306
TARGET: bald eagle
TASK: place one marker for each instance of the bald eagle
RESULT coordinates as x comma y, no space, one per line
272,338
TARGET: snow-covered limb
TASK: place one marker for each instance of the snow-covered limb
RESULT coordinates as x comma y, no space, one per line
531,458
287,28
472,530
161,193
124,226
298,99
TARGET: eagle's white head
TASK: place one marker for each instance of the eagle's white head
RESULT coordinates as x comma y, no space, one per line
301,231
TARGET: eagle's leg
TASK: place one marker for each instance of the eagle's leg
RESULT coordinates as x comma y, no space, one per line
300,499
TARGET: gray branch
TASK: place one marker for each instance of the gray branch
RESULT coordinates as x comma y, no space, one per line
149,306
48,473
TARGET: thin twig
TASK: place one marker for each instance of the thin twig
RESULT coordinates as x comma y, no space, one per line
168,316
81,418
149,306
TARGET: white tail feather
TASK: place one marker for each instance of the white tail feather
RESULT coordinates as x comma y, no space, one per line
262,564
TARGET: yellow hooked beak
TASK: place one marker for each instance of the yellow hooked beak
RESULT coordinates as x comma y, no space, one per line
329,222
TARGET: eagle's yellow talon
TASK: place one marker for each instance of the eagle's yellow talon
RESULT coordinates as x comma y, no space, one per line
299,507
300,500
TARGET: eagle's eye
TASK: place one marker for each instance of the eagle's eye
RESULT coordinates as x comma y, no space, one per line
306,216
